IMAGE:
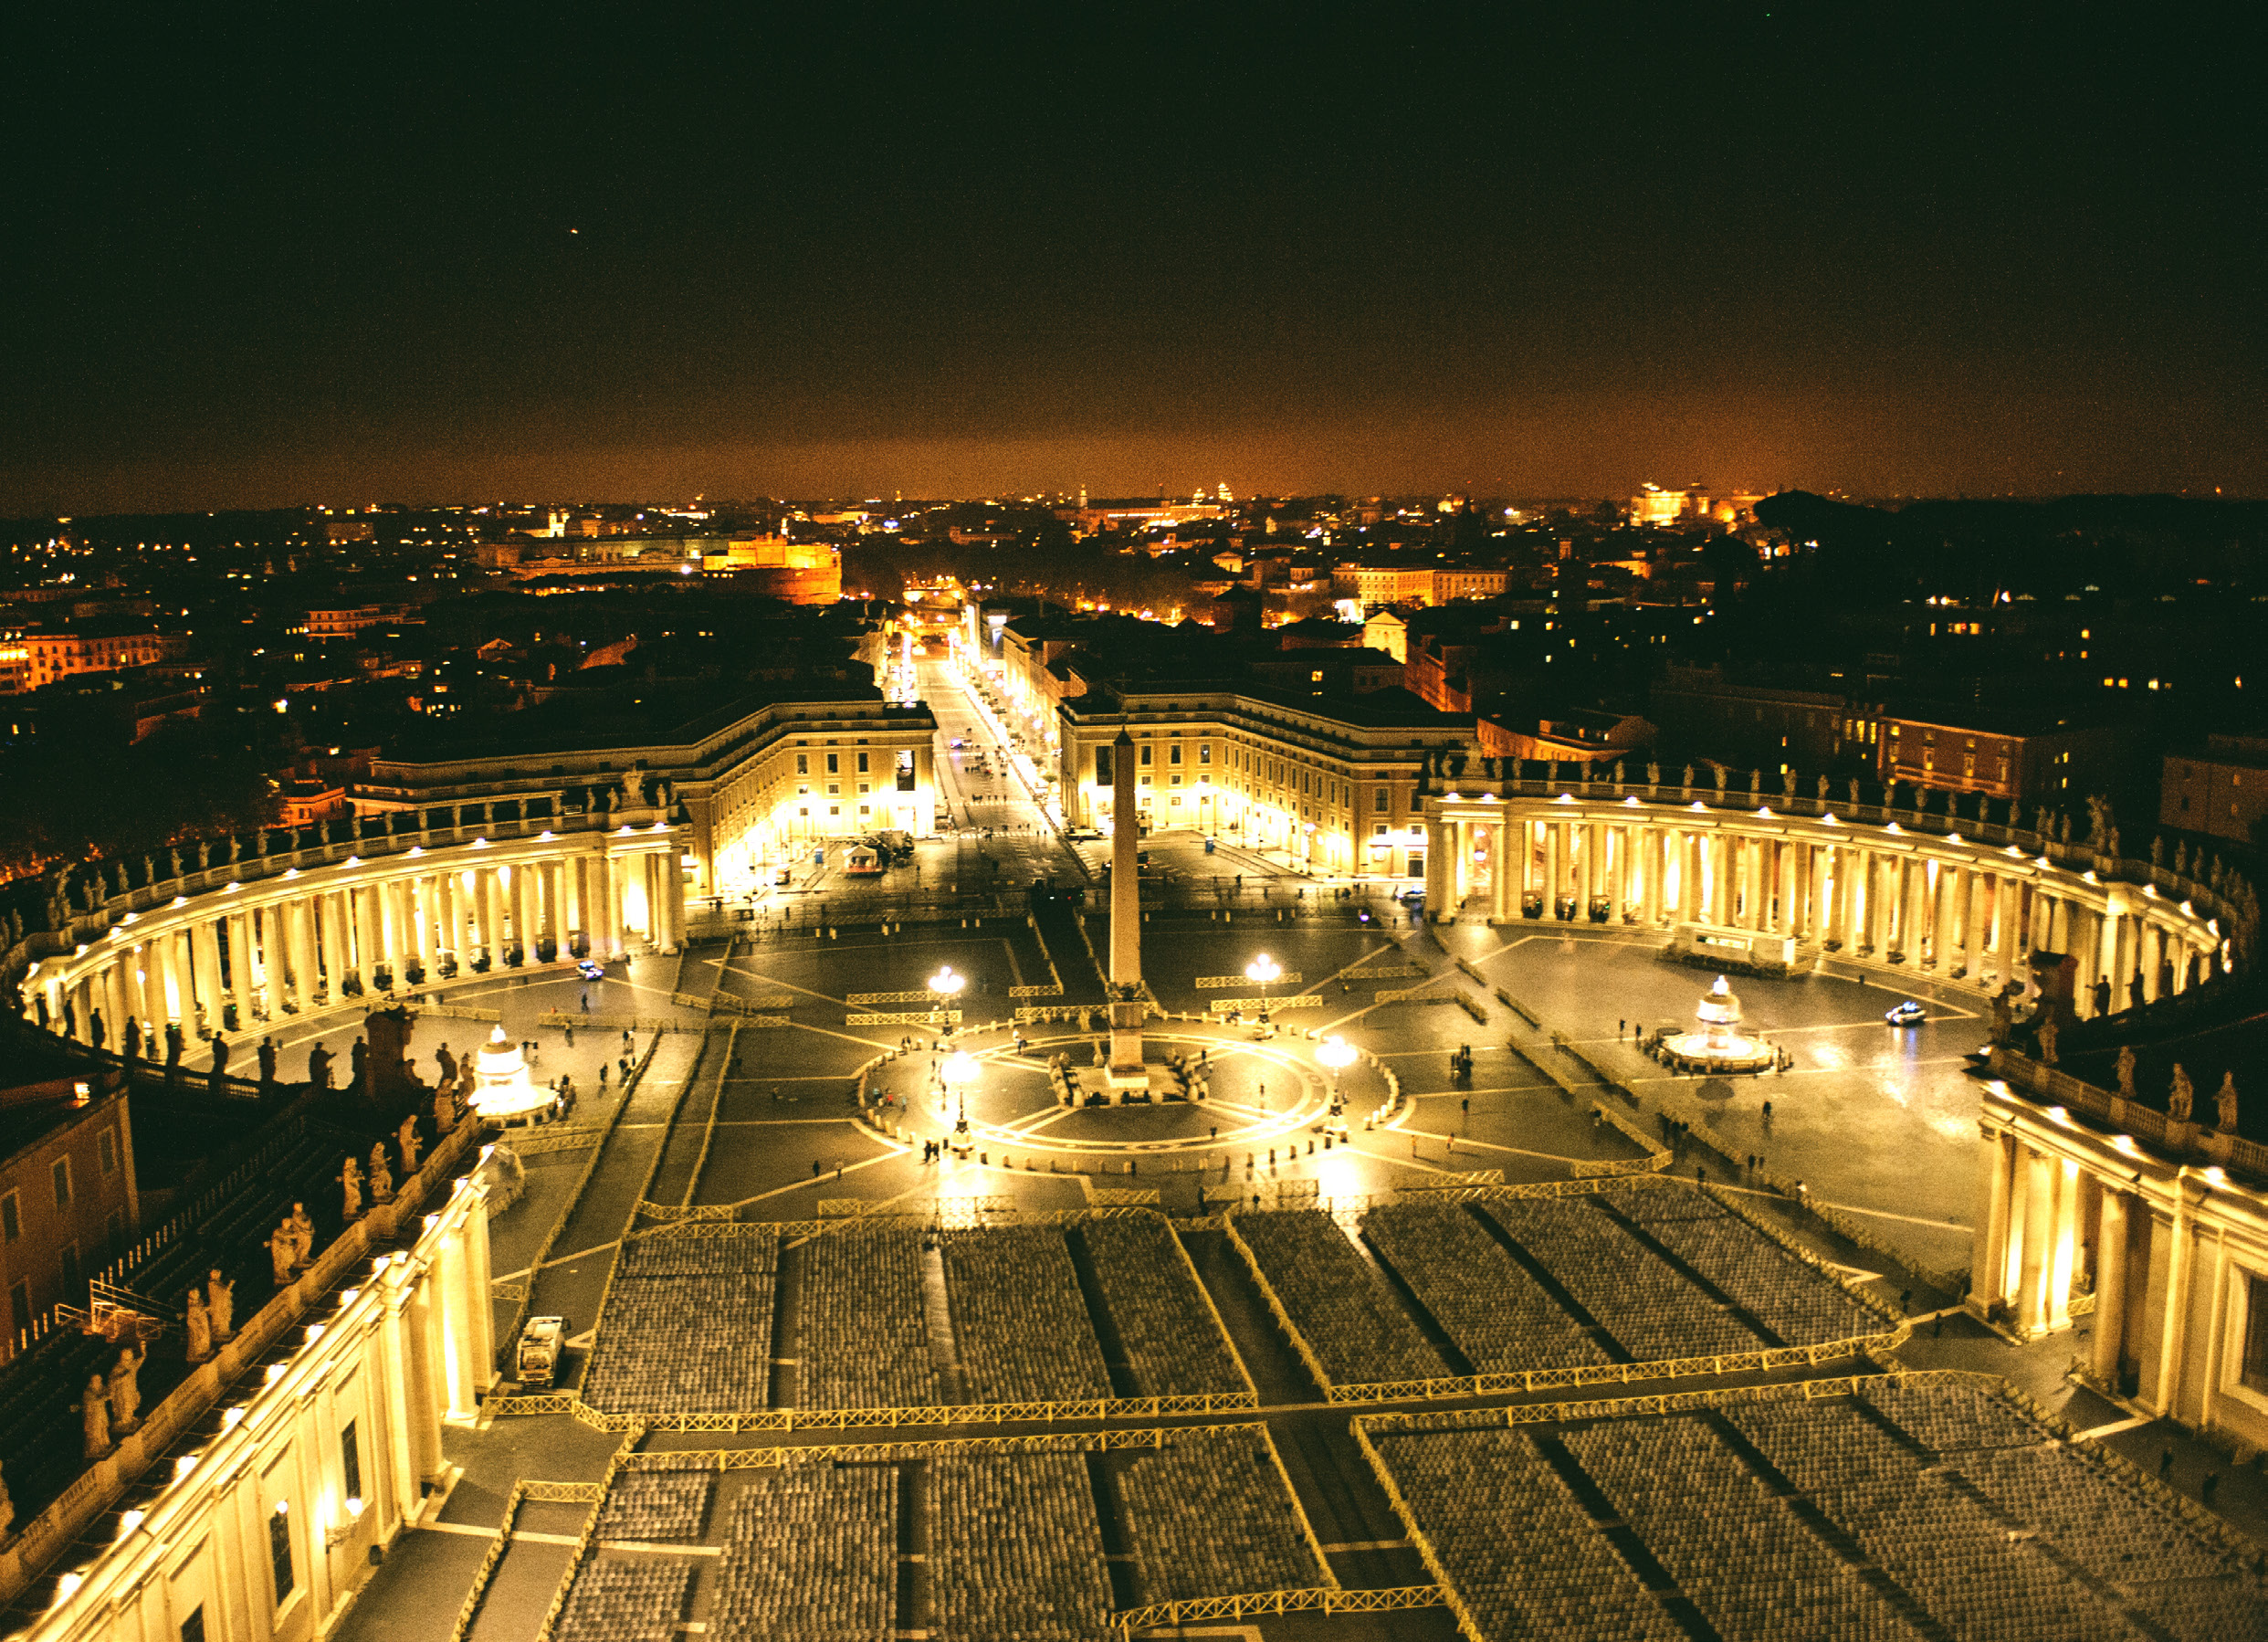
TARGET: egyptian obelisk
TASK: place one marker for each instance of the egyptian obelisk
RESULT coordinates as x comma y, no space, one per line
1126,924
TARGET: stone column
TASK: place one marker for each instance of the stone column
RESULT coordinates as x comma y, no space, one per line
1656,860
162,988
240,967
2039,1251
492,897
1974,924
1555,868
329,926
1503,896
2110,1288
1944,944
673,895
1989,1260
2063,1251
605,904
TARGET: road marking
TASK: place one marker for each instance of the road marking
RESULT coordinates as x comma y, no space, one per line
1348,1546
2130,1423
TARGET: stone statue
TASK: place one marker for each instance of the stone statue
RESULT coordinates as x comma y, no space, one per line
406,1138
448,1063
1787,782
197,1324
2110,845
7,1511
96,1030
94,1413
351,1189
381,1176
131,1040
283,1251
2048,1030
2182,1098
2003,1017
1688,775
2126,1072
318,1060
1854,791
1921,800
1553,775
303,1230
358,1067
126,1388
2062,829
175,1044
1618,771
443,1110
2181,858
2225,1105
1722,773
220,1057
1756,781
220,1306
268,1061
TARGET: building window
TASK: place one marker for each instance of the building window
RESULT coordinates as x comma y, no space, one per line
1204,753
62,1175
106,1150
1381,801
802,763
193,1627
351,1460
835,763
1173,755
2255,1367
862,764
280,1548
11,1219
1145,758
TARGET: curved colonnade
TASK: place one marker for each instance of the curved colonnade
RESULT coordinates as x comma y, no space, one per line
285,923
1957,897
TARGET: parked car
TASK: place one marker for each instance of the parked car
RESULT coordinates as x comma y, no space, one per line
591,969
1907,1014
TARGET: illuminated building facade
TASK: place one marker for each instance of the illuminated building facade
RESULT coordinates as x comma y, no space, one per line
1377,586
2089,1202
1334,785
479,863
1959,899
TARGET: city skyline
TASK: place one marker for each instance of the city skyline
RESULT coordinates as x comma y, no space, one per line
1911,254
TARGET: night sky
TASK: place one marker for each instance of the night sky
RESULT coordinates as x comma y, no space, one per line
978,251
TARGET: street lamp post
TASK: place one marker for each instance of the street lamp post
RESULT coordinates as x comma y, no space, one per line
945,986
1262,971
959,1071
1337,1054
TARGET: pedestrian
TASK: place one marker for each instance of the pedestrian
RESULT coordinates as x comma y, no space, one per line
1768,1111
814,1168
625,1038
601,1074
1617,1029
1699,1173
571,1038
2165,1464
2210,1487
1906,1301
586,1003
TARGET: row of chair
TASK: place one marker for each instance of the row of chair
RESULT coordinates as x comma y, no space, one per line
1174,1346
810,1556
1208,1515
1500,1317
1351,1320
1019,1325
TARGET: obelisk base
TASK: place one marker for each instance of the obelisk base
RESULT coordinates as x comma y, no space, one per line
1127,1074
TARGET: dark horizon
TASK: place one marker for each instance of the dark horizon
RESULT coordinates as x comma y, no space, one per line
1333,250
